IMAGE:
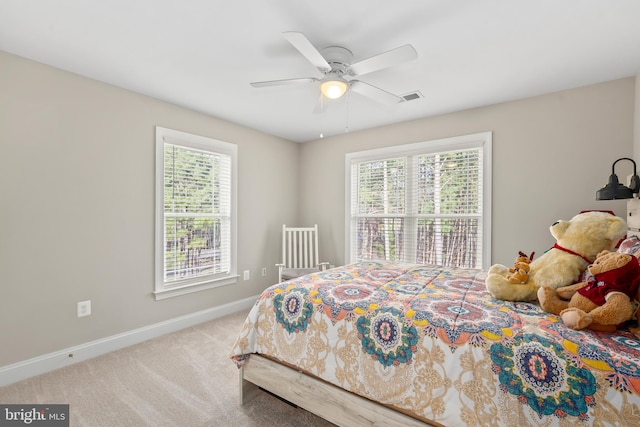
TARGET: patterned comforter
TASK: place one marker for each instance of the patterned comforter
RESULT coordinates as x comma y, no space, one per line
432,341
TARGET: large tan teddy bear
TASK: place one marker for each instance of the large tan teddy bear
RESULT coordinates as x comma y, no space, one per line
603,302
578,242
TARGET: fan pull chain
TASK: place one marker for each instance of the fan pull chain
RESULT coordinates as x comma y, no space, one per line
322,112
346,112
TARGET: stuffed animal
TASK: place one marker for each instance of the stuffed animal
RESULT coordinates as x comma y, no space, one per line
520,270
603,302
578,241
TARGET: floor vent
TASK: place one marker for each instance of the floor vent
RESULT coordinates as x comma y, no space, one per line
411,96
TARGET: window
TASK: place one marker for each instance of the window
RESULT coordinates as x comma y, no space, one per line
195,213
424,203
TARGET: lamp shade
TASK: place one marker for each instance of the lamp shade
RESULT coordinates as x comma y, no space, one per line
615,190
334,88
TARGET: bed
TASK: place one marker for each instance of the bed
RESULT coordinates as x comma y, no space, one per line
380,343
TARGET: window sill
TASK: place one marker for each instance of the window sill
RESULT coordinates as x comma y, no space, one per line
194,287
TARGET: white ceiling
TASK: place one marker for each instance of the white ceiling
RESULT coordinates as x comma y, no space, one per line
202,54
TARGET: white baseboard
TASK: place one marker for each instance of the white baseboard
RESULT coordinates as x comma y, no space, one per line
39,365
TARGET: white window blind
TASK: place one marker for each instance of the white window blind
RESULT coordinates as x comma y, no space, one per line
423,203
197,211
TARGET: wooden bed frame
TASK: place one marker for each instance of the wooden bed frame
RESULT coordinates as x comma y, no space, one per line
316,396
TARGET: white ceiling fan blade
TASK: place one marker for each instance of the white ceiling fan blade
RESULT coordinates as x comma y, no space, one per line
375,93
300,42
284,82
378,62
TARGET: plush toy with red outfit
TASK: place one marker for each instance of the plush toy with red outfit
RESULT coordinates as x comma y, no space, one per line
603,302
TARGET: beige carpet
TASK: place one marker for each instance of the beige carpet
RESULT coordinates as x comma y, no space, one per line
180,379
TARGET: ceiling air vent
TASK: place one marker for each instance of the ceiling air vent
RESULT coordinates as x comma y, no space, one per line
412,96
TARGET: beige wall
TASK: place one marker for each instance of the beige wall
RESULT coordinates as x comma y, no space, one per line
550,155
77,208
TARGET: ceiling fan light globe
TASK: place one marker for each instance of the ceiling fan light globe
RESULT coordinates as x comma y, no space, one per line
334,89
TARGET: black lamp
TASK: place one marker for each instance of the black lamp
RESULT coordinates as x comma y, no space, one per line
614,189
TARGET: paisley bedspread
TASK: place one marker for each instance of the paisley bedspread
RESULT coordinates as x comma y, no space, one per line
432,341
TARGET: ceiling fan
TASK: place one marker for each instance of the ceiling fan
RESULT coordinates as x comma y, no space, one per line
337,72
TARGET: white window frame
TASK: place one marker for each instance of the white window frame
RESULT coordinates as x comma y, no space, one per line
483,140
164,289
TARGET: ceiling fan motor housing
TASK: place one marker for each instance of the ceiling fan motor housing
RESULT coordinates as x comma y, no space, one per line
339,58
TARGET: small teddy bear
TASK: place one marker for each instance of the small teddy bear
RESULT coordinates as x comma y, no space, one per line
603,302
520,270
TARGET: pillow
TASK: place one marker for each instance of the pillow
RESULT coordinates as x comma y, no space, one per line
631,246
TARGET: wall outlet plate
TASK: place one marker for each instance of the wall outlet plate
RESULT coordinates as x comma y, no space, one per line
246,275
84,308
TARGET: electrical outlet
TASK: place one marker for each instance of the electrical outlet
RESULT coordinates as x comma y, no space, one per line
264,271
84,308
246,275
